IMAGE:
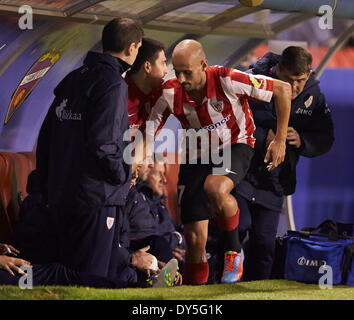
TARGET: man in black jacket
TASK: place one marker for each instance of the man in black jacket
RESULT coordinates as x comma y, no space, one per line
83,176
310,134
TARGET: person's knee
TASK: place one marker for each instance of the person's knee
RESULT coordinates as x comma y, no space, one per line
217,188
195,239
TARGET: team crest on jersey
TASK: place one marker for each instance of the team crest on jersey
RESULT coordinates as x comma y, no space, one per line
218,106
32,77
308,102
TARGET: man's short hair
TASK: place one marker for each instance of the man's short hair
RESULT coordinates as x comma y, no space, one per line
149,51
296,60
120,33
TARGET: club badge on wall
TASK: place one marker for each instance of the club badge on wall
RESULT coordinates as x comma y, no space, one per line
30,80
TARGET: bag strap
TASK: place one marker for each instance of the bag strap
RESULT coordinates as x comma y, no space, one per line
333,233
307,234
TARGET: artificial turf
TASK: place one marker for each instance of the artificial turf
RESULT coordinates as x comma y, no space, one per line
255,290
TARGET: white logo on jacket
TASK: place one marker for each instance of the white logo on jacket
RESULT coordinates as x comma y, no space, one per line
110,222
64,114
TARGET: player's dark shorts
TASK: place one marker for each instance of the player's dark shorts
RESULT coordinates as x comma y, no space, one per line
192,200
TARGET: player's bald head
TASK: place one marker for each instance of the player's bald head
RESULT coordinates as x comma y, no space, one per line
189,63
190,51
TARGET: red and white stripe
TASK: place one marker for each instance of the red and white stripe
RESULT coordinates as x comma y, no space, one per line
231,87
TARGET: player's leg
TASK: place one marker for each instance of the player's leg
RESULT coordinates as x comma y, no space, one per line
218,189
196,268
88,237
195,215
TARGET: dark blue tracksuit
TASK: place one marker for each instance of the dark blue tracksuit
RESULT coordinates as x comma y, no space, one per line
260,194
151,223
36,242
54,274
35,239
82,174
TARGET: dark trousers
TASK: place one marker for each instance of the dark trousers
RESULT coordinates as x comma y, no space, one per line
89,239
83,239
54,274
261,225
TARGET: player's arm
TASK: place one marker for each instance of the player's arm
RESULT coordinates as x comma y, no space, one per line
262,88
282,103
157,118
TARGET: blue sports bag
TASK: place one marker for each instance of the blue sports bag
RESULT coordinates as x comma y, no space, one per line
306,253
329,244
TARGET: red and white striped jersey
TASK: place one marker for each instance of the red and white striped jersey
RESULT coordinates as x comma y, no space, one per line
139,106
224,107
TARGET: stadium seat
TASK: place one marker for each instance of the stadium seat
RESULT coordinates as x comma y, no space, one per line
14,170
5,196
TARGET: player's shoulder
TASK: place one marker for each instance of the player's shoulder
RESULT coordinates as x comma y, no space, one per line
219,71
170,89
171,84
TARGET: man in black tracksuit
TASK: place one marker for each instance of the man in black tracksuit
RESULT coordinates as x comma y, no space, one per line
83,176
310,134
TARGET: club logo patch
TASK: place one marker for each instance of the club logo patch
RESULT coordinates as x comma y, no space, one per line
110,222
32,77
308,102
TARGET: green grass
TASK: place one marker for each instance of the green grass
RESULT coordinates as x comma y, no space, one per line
256,290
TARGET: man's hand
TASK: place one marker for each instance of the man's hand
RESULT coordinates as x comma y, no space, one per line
179,254
9,250
275,154
293,138
142,260
270,137
11,264
282,103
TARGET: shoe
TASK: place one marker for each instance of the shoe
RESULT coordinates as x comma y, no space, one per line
166,277
233,267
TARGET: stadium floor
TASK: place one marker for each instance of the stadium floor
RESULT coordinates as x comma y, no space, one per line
255,290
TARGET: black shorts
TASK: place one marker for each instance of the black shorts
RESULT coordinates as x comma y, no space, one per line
192,200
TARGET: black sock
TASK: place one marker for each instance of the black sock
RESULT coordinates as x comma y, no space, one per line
232,240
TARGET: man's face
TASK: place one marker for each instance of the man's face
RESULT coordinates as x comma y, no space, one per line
190,74
297,82
158,71
157,178
144,170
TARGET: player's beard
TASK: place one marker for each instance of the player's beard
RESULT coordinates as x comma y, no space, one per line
186,86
